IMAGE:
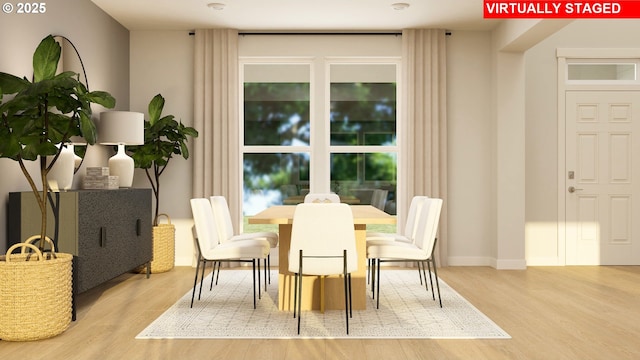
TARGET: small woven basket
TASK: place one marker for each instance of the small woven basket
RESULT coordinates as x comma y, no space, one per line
35,293
164,246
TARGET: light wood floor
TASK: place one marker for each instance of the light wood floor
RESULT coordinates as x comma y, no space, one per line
551,313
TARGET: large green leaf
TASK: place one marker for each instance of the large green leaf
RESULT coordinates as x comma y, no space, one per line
102,98
155,108
45,59
87,128
10,84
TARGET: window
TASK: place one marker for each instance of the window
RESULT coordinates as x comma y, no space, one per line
319,123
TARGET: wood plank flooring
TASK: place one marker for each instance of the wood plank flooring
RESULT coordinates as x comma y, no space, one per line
551,313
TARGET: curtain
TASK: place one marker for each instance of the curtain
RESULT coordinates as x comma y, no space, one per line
425,114
216,155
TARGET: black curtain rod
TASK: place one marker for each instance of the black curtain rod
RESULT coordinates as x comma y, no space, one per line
448,33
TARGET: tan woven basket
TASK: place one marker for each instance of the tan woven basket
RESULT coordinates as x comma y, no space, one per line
35,293
164,246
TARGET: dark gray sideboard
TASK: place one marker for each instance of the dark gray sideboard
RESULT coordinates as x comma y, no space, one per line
108,231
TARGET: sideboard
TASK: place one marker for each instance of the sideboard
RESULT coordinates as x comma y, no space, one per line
109,232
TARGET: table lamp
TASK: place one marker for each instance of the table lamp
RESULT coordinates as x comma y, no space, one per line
121,128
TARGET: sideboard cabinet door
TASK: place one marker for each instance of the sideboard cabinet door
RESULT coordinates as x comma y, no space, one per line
108,231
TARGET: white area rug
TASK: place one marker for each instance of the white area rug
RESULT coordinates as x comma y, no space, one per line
406,311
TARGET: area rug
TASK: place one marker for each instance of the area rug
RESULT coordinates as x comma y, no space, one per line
406,311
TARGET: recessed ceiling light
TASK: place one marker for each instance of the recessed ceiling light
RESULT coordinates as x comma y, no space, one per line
216,6
399,6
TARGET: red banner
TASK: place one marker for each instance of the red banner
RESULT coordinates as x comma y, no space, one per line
502,9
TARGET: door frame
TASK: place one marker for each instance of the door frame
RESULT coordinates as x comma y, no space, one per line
566,56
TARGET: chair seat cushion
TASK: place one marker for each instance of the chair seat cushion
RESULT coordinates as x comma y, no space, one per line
395,250
248,249
271,237
386,237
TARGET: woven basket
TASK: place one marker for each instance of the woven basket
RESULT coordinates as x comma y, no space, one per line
35,293
164,246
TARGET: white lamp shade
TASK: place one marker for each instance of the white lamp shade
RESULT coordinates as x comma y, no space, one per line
121,128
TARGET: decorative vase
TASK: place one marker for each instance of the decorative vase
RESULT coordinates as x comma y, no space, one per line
60,176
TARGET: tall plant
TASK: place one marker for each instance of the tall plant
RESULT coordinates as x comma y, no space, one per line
41,115
163,137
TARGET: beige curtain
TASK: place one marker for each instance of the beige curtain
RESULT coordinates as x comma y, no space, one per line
425,113
216,149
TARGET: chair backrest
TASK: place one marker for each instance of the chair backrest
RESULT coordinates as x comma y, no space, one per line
223,217
427,227
205,224
415,208
379,198
322,198
323,230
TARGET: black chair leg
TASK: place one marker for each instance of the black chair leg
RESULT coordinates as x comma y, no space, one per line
195,280
267,273
373,278
295,294
420,272
204,265
378,289
259,288
213,273
269,268
346,288
254,282
435,271
300,293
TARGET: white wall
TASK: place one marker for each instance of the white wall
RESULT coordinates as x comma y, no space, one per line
542,126
471,224
162,63
103,45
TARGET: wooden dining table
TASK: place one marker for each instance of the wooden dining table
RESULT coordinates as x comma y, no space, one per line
333,297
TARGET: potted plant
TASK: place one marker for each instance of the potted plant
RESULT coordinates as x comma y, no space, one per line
163,138
37,119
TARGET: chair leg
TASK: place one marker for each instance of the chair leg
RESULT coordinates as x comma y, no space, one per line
433,294
435,271
350,299
254,281
346,288
269,267
295,294
300,292
204,265
195,280
378,289
213,273
373,278
259,289
266,272
218,276
426,284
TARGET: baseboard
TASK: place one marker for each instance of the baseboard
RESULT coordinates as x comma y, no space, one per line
468,261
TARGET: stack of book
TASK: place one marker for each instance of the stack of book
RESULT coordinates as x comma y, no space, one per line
99,178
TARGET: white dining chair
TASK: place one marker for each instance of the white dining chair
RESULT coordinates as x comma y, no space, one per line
379,198
323,243
211,249
227,233
419,251
408,234
322,198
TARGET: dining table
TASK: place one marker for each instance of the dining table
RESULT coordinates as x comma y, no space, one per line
331,295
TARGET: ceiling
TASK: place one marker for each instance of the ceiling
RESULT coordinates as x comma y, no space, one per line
297,15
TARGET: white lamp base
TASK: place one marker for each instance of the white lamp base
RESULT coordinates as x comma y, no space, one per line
121,165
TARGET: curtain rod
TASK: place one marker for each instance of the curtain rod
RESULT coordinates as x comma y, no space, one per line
448,33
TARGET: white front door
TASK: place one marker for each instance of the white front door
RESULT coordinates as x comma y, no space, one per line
603,178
